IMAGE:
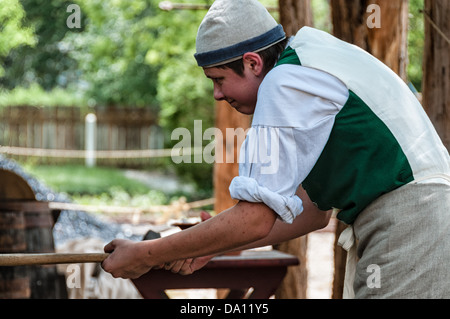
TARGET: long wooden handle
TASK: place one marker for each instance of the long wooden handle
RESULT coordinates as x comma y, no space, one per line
50,258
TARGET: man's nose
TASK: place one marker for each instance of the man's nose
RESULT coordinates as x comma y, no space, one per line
218,94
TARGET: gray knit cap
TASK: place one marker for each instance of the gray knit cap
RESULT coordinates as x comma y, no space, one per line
233,27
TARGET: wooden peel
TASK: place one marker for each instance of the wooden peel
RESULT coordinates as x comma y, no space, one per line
50,258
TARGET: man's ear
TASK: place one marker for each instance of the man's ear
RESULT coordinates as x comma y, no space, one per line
253,62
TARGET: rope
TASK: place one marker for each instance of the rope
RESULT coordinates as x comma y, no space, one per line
177,206
136,212
435,26
151,153
168,6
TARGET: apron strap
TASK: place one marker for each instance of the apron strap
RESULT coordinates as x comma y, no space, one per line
347,241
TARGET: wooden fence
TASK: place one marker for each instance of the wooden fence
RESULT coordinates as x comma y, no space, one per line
118,128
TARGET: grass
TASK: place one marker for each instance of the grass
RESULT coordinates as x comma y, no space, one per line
81,180
97,185
106,186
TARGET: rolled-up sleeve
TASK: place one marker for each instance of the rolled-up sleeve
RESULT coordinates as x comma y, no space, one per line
261,176
248,189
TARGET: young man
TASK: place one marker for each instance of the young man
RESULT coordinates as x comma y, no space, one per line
333,129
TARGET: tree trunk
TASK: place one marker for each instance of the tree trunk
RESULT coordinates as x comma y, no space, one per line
378,26
225,170
294,14
227,117
381,28
436,77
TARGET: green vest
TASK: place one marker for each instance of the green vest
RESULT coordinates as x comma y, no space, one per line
379,137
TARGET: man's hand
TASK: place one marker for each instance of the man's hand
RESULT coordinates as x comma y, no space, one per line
239,225
127,259
187,266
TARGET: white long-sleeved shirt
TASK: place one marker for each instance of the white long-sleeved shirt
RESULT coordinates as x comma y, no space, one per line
293,119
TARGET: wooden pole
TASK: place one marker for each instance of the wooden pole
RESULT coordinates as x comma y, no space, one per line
50,258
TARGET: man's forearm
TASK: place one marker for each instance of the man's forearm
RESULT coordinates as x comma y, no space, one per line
250,230
282,232
237,226
245,225
240,225
311,219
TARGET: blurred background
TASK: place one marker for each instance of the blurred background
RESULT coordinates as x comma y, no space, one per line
128,62
117,77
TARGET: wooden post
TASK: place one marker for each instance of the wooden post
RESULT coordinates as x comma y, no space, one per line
436,67
227,117
225,171
294,14
379,27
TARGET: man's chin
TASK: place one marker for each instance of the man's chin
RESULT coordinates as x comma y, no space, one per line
248,110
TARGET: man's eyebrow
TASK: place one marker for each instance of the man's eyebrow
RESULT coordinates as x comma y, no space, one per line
214,77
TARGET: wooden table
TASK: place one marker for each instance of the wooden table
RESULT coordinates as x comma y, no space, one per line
261,270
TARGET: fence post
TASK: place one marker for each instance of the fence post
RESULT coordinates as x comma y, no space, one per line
90,139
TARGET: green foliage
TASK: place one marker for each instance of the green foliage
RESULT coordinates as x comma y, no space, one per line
78,179
12,33
186,96
416,42
183,91
44,63
37,96
322,15
98,186
110,52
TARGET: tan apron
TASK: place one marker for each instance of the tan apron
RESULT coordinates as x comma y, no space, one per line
405,237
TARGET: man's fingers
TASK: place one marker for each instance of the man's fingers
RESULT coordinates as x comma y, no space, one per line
168,266
183,268
159,267
179,266
109,248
